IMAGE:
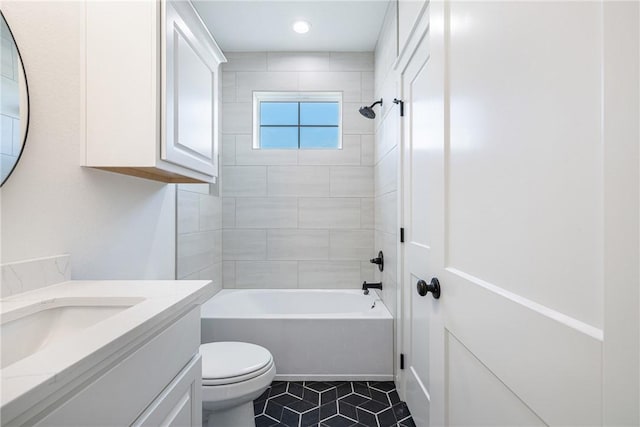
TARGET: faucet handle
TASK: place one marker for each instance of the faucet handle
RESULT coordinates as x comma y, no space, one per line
379,261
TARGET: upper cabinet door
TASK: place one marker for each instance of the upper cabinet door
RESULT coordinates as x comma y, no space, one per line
189,90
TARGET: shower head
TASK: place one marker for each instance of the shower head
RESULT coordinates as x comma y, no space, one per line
368,111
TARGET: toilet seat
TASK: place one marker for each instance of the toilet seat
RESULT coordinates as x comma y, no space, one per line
233,362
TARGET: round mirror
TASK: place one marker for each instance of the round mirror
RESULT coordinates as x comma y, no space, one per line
14,113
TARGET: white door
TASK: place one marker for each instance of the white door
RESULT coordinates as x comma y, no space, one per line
422,219
520,194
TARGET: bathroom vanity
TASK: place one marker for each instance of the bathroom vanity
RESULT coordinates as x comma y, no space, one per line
84,353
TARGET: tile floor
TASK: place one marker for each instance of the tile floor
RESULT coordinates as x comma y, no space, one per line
331,404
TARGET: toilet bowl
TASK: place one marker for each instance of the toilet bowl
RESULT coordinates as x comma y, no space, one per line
233,375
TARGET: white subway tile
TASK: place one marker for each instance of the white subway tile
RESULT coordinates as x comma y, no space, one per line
228,87
247,82
348,82
210,212
213,273
388,91
297,244
348,155
236,117
191,276
387,136
353,121
386,212
267,274
228,150
351,181
245,61
228,212
247,155
273,212
228,274
386,173
196,243
195,188
244,244
351,245
298,181
367,150
367,213
368,87
187,212
388,244
368,271
244,181
352,61
329,274
298,61
195,252
387,47
329,213
217,246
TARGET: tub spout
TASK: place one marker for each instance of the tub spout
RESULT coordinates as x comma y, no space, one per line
366,286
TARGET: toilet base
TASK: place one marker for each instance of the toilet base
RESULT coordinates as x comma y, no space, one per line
233,417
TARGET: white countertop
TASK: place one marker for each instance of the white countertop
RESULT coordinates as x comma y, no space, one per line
56,365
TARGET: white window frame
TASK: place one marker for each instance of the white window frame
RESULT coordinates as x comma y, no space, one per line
261,96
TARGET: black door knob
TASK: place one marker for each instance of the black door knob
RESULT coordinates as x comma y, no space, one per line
433,287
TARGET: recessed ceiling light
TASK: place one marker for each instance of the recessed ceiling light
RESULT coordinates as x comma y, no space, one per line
301,27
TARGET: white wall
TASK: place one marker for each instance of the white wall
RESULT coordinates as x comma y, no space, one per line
297,218
112,225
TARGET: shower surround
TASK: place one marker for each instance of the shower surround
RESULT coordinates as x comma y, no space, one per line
297,218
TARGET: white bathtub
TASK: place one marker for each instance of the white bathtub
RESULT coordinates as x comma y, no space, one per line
313,334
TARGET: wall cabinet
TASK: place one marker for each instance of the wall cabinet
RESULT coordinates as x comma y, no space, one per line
150,89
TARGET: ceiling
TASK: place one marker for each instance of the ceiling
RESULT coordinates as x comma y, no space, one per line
265,25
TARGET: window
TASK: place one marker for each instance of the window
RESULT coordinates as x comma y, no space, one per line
297,120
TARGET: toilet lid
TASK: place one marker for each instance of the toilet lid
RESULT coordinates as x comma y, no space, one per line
229,360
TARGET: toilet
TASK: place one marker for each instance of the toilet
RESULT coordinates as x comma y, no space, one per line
233,375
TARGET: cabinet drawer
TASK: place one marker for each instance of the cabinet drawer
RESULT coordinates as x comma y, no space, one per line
180,404
121,394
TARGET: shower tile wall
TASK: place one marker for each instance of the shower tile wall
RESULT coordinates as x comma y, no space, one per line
297,218
386,158
199,241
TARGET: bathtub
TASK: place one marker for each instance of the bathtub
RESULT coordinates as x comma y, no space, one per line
328,335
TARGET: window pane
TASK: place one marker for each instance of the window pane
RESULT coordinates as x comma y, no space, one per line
326,137
319,113
279,137
278,113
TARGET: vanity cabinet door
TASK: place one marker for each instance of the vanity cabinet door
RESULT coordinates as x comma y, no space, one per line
149,375
180,404
190,82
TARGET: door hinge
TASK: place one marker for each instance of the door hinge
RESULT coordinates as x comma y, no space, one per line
398,101
401,361
401,234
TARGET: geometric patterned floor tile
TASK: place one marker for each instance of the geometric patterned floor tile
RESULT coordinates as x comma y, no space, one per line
331,404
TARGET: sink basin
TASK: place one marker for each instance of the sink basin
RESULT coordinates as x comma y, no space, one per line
28,330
